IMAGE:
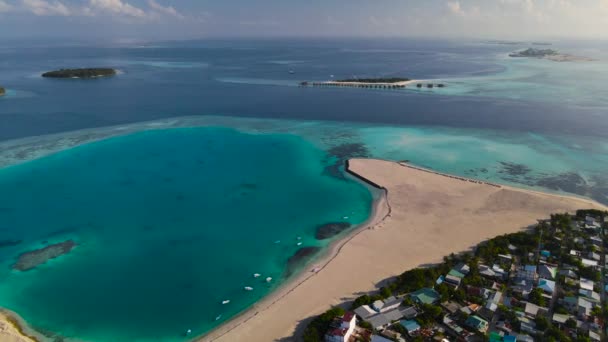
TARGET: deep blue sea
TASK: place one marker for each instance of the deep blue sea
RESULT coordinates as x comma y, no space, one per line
171,221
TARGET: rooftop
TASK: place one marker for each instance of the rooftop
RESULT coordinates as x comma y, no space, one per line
425,295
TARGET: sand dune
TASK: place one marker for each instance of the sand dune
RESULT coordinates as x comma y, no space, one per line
431,216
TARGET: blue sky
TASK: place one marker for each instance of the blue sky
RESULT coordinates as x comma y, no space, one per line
175,19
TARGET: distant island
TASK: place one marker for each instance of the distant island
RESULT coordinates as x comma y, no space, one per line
375,80
549,54
32,259
374,83
2,91
80,73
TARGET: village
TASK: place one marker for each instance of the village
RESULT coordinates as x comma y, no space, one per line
545,284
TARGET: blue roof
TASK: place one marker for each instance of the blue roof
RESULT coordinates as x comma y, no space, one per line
545,253
509,338
410,325
530,268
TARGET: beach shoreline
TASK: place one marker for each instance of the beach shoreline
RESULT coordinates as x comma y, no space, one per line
526,206
380,211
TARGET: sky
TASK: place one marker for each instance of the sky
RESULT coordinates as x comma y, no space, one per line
124,20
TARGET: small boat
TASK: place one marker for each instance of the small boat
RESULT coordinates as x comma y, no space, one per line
278,241
345,217
299,244
255,275
292,72
299,238
188,332
268,280
225,301
218,317
332,76
248,288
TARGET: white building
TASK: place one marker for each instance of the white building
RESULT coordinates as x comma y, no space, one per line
344,331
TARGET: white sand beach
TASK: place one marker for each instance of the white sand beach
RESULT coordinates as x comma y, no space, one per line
9,332
431,215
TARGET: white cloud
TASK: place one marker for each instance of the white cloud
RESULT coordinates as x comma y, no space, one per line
46,8
454,7
4,7
117,7
167,10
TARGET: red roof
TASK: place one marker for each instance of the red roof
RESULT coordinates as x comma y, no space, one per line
337,332
348,316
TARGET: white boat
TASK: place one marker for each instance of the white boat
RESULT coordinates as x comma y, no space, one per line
188,332
345,217
255,275
218,317
225,301
299,244
278,241
268,280
248,288
292,72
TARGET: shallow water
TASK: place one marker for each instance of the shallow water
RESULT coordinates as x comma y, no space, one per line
168,224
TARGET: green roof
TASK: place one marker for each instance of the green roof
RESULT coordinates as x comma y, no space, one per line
455,273
495,337
425,296
476,322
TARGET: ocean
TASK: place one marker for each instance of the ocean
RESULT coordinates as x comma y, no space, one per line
214,154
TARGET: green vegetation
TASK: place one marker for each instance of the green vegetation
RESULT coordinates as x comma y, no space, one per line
316,329
80,73
2,91
376,80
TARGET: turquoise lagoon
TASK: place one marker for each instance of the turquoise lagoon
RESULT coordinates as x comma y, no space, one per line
168,223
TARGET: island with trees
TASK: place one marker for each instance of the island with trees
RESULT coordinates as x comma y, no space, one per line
80,73
2,91
549,54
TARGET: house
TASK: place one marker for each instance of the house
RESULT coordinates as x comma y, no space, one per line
589,294
451,307
411,326
378,305
560,319
584,306
453,280
596,240
378,322
548,286
589,220
505,258
586,284
378,338
532,310
477,323
593,256
545,253
425,296
391,303
409,312
568,274
547,272
499,271
570,303
462,268
589,262
343,331
495,297
528,272
364,312
524,338
486,271
574,252
528,326
593,336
